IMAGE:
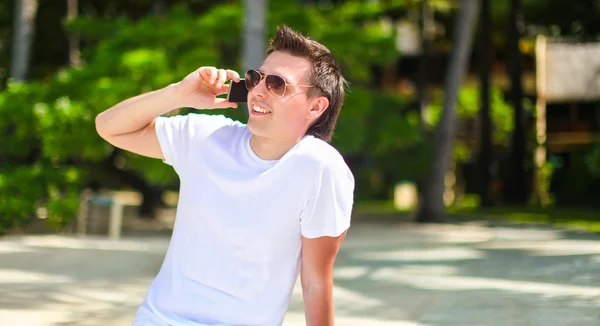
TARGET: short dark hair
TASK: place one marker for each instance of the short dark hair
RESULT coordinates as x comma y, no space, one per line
325,76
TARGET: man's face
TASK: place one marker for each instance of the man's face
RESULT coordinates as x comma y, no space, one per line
287,117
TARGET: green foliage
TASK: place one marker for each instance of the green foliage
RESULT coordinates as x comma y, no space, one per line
51,148
394,147
54,150
467,108
352,30
18,121
39,129
374,126
579,219
545,174
395,128
353,124
560,18
576,182
592,160
45,185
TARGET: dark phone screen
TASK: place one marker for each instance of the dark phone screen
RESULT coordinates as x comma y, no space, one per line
237,92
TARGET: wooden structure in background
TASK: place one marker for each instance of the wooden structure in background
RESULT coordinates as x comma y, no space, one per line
94,209
566,72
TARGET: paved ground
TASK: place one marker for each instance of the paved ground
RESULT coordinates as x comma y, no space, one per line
402,275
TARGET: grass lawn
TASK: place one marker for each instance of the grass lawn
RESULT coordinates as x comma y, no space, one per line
584,219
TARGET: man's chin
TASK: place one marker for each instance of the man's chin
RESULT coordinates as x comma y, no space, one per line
255,128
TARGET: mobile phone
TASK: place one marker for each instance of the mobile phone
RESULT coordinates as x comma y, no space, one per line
237,92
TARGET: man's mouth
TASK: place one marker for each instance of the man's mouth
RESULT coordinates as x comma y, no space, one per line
260,109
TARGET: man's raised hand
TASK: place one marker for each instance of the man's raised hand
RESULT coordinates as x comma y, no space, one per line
200,88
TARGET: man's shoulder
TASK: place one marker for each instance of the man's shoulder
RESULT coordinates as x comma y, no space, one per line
321,154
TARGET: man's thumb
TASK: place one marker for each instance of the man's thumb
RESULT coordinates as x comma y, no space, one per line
221,103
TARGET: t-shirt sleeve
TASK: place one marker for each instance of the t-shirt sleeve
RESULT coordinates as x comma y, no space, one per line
328,212
179,134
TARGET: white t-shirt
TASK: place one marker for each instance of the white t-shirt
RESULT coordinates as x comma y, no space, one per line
235,251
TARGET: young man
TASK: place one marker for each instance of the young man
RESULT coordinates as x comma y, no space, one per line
259,203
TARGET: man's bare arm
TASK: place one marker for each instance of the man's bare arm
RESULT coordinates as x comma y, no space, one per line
318,258
130,124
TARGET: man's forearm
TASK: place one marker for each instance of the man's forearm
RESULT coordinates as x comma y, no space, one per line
318,306
137,112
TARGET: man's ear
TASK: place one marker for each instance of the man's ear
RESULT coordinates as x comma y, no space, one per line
319,106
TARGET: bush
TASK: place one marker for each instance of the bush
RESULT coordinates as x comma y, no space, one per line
53,151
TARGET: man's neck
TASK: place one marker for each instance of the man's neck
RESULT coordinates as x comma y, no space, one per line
271,149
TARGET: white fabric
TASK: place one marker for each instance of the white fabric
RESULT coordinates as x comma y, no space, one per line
234,254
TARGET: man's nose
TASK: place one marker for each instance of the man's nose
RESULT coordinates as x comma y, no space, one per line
261,89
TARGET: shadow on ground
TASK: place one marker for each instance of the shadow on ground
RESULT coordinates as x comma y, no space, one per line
448,275
65,280
402,274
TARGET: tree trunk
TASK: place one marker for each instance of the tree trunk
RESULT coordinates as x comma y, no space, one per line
427,29
74,53
427,25
158,7
23,29
254,35
484,159
432,207
515,189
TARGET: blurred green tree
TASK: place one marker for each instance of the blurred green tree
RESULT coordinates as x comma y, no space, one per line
50,122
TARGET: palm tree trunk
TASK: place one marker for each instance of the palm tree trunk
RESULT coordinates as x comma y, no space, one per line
158,7
432,208
485,152
74,53
516,190
23,29
254,34
426,40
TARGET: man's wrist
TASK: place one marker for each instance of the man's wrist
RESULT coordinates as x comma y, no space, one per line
175,97
318,305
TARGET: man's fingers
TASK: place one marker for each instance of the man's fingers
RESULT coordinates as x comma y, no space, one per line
222,77
224,89
232,74
218,77
209,74
221,103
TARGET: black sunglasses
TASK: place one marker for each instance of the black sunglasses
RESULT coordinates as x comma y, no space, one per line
275,83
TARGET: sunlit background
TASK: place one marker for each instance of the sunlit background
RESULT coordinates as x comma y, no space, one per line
472,128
